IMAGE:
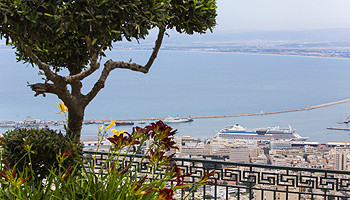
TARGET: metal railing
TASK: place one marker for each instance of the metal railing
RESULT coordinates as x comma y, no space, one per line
254,181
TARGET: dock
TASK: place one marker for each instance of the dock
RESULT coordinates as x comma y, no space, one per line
338,129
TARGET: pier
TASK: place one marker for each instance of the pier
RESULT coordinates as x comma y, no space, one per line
338,129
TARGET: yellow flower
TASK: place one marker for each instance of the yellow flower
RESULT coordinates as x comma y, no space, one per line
100,128
111,124
63,108
117,133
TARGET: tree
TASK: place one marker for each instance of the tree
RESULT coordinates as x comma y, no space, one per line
73,35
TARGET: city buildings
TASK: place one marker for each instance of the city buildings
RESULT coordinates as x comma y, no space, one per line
309,154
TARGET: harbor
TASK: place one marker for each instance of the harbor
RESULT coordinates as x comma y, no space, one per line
31,122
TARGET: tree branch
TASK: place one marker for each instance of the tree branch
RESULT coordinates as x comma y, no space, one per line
94,65
43,66
100,83
156,48
59,86
111,65
43,88
137,67
125,65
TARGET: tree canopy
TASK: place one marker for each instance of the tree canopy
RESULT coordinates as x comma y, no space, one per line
74,34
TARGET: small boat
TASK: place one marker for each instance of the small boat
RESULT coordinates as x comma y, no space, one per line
142,122
123,123
177,120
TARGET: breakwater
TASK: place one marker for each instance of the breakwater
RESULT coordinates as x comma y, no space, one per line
251,114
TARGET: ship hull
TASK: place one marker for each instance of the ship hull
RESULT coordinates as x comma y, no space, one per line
253,136
270,133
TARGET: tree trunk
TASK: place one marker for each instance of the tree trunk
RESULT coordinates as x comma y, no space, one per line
76,106
75,122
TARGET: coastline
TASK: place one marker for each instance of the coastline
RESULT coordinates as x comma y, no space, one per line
218,50
244,52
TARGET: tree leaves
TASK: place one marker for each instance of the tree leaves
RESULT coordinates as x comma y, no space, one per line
94,41
61,25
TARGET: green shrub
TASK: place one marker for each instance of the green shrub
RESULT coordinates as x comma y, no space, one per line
40,149
121,176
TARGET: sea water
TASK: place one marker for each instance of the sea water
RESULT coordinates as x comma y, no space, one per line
199,84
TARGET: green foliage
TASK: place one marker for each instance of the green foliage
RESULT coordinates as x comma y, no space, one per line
58,31
118,178
44,146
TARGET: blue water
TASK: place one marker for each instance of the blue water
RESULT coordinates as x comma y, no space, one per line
198,83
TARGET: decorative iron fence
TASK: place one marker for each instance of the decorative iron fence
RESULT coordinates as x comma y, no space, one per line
254,181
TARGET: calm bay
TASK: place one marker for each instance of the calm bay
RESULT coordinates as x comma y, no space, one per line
200,84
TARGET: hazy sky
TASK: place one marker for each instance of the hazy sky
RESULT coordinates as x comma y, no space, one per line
282,14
